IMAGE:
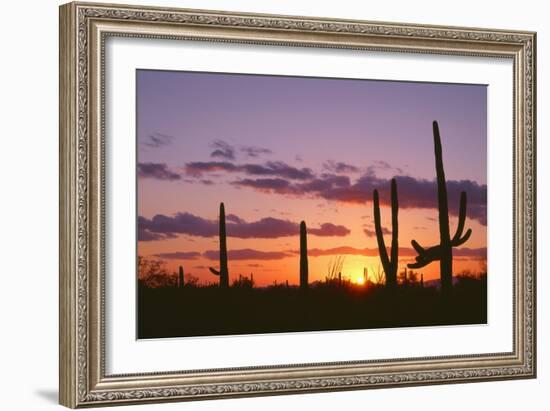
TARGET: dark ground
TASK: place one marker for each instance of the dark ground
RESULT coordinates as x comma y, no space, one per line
203,311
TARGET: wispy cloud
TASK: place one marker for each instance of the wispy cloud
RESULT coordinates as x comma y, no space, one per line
412,192
247,254
370,232
254,151
158,140
405,254
161,227
145,235
179,255
222,149
157,171
329,230
384,166
271,168
347,250
465,252
339,167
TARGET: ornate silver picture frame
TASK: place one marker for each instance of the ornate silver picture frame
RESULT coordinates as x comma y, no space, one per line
84,30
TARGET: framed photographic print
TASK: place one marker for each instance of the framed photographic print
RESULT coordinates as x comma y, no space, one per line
259,204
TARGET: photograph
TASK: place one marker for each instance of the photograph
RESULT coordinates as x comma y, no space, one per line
265,202
276,204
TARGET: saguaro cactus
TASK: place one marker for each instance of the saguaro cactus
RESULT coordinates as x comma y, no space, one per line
181,283
389,263
303,256
224,272
444,250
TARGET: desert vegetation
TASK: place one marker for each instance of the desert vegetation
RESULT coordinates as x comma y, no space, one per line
175,304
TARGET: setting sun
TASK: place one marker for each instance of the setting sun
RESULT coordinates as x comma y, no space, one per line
359,280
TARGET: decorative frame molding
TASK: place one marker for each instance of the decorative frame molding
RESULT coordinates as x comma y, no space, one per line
83,30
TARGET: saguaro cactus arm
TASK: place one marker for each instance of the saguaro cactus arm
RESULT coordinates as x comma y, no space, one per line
428,255
458,238
214,271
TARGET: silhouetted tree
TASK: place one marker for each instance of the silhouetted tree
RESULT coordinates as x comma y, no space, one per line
153,273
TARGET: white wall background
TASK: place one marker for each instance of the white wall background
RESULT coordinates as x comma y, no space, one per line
29,188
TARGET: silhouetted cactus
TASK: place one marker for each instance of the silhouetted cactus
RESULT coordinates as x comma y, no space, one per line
421,280
224,272
181,283
404,276
444,250
303,256
389,264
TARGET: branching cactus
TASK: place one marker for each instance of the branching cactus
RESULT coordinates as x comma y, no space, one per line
303,256
181,283
389,263
223,273
444,250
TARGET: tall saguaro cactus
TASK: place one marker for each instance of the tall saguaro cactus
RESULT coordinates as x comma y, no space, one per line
181,283
444,250
389,263
303,256
224,271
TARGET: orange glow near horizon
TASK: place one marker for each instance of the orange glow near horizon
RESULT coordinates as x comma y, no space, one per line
414,224
280,150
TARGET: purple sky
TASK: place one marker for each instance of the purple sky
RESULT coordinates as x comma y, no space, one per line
280,149
309,116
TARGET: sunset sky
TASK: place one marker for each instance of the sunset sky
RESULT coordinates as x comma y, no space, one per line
277,150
